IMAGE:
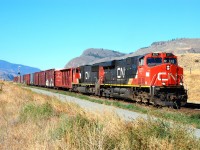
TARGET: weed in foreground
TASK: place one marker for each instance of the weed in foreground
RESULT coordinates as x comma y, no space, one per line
195,119
35,112
82,132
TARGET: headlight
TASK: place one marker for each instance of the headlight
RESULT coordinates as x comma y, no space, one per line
168,67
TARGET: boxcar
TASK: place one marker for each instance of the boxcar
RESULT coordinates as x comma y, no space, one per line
50,75
16,79
36,79
26,79
66,78
58,79
42,78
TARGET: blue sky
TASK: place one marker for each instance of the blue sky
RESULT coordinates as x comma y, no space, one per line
48,33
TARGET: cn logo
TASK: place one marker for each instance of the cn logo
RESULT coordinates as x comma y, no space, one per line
160,76
120,72
87,75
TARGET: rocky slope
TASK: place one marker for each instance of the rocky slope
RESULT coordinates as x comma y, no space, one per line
92,55
176,46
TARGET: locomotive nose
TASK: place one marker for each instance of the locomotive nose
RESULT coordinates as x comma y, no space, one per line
174,74
169,75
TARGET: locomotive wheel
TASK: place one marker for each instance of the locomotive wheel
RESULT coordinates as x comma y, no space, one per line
177,104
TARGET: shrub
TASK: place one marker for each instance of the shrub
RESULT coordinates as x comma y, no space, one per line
81,132
34,112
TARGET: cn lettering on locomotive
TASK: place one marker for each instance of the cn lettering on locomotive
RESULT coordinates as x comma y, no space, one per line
160,76
87,75
120,72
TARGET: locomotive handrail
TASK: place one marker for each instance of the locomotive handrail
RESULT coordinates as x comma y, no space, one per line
153,79
181,78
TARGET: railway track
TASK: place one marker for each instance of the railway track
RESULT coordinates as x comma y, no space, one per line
189,108
192,106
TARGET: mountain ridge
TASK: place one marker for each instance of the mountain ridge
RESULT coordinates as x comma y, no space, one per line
177,46
91,55
9,70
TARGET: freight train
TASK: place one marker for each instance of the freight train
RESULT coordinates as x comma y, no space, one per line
153,78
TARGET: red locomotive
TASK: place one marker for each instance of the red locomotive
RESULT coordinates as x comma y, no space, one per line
152,78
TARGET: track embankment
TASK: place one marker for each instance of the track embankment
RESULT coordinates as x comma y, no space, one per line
101,108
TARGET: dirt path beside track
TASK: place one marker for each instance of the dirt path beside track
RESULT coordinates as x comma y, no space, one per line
101,108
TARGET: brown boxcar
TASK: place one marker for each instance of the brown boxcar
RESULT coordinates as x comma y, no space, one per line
58,78
67,78
50,77
42,78
26,79
36,78
16,79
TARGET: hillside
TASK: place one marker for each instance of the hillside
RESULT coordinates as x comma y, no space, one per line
191,65
92,55
189,61
176,46
9,70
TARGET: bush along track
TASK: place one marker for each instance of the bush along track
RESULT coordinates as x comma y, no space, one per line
163,113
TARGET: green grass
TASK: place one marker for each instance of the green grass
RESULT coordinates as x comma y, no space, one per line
68,124
195,119
160,113
178,117
83,133
36,112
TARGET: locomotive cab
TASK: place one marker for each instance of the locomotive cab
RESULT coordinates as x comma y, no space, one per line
161,73
159,69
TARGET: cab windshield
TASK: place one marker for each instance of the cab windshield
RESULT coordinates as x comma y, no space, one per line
154,61
170,60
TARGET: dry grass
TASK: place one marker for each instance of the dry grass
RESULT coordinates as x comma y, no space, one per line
192,83
191,66
189,61
32,121
16,134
